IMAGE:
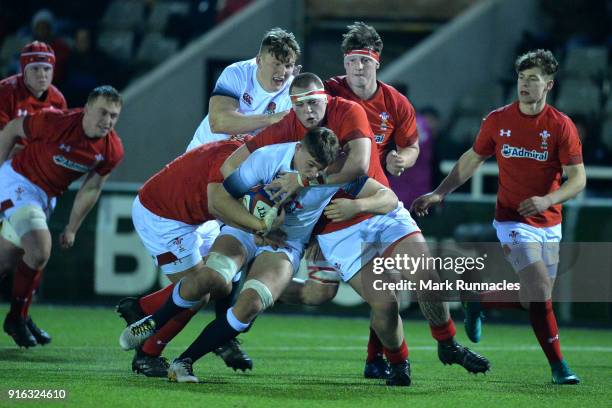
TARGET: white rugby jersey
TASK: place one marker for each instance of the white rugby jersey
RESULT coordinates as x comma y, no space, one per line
239,81
301,213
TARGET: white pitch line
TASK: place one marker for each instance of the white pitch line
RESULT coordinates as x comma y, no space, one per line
598,349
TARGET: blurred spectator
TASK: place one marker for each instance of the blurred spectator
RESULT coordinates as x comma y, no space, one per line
201,18
87,67
43,29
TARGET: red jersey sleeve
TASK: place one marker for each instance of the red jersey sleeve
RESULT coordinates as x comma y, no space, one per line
6,106
405,133
63,103
354,124
484,144
283,131
37,126
114,155
570,147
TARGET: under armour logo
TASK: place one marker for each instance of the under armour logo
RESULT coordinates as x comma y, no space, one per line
65,147
21,112
99,157
553,339
505,132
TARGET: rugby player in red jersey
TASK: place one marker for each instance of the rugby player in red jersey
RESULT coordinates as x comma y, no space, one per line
24,94
392,120
61,146
534,144
313,107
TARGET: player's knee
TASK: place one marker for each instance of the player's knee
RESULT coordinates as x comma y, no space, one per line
539,292
38,257
260,295
224,266
208,281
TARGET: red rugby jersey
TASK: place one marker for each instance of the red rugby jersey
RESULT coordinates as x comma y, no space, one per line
58,151
349,122
179,190
391,116
16,100
530,151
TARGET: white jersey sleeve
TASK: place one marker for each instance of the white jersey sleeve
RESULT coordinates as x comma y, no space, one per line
231,83
260,168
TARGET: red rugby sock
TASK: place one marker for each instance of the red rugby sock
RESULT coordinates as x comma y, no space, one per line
398,355
25,283
375,347
150,303
544,325
155,344
443,332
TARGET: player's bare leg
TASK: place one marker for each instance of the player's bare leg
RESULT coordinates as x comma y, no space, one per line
147,358
309,292
322,283
36,246
268,277
386,322
535,296
436,310
211,279
9,256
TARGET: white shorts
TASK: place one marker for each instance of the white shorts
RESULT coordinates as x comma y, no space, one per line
524,244
208,232
293,250
173,245
349,249
17,191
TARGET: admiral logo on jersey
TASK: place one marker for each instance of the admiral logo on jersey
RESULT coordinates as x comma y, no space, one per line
69,164
520,152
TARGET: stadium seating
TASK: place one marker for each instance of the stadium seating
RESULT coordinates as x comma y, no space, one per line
585,62
579,96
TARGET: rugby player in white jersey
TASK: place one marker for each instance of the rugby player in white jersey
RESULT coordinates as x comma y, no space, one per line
273,267
248,96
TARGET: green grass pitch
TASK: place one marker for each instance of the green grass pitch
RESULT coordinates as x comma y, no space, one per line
300,361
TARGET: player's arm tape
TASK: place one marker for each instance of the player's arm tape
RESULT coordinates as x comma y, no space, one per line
235,185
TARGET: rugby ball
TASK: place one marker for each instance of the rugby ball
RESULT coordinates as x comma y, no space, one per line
257,201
